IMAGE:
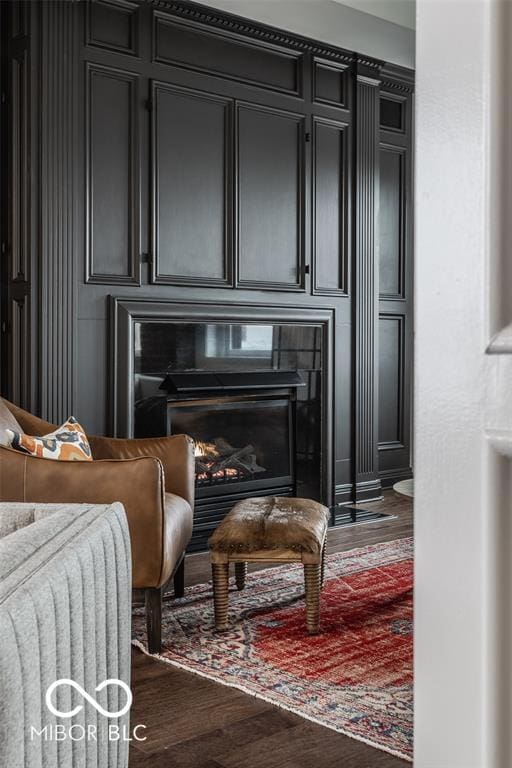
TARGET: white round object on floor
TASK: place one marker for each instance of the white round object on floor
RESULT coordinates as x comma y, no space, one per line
405,487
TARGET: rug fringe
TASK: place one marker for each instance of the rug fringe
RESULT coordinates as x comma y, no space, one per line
238,686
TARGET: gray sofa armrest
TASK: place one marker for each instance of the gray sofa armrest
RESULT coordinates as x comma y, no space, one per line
65,612
16,515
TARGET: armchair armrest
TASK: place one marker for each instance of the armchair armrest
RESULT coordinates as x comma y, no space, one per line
136,482
176,453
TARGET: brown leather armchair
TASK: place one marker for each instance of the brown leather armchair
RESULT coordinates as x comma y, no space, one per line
152,477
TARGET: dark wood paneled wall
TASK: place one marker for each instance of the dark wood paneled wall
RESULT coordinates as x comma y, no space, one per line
57,157
112,176
18,223
187,153
395,276
192,158
366,280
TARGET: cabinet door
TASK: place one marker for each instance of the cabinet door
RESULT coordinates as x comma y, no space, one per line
112,163
391,222
191,187
330,207
391,381
395,288
270,199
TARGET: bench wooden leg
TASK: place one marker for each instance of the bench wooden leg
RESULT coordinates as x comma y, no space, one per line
240,573
312,584
220,577
322,569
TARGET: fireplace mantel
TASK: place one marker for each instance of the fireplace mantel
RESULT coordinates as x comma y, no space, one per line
125,313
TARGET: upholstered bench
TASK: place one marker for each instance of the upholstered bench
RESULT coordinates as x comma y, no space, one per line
274,530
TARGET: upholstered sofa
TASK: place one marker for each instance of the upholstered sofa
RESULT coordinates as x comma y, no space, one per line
65,613
153,478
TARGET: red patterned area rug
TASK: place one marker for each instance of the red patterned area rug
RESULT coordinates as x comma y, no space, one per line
355,677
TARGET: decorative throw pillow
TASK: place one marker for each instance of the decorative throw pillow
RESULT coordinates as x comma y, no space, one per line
68,443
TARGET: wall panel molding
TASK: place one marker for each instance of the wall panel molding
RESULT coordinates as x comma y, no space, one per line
112,217
192,142
393,111
238,25
18,219
20,165
212,51
366,283
271,177
331,83
395,274
57,202
391,399
20,373
398,231
398,79
113,26
331,208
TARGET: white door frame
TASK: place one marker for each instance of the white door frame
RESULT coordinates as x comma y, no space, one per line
463,394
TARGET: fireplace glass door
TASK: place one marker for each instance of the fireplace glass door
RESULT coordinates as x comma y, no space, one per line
240,443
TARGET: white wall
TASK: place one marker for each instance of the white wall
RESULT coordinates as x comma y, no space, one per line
402,12
463,396
331,23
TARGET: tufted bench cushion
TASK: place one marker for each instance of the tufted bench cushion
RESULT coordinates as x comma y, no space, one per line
270,529
272,523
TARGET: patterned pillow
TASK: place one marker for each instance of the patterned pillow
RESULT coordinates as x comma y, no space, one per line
68,443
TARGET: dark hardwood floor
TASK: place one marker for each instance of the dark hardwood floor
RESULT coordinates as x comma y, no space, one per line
193,722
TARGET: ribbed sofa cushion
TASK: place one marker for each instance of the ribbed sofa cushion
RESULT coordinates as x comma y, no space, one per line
16,515
65,608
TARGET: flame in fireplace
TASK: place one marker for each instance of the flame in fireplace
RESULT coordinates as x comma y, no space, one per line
205,449
219,461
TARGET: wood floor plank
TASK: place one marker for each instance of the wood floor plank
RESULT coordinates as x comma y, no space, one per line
231,738
167,759
179,705
193,722
305,746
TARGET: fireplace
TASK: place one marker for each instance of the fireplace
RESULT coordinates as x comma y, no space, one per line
245,441
249,384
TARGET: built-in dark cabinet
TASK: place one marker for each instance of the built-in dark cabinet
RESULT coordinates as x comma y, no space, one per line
391,377
270,198
113,25
211,51
395,279
247,154
331,83
331,194
113,175
391,221
192,183
164,150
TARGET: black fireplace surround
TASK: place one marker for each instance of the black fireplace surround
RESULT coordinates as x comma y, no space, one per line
250,385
